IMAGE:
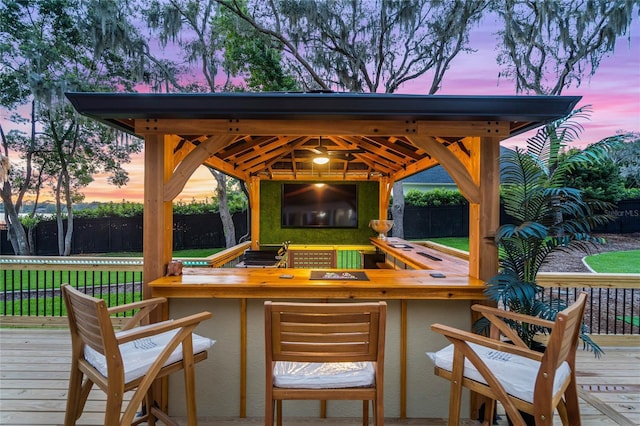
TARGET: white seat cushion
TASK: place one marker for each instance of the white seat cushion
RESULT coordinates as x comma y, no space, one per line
139,355
329,375
515,373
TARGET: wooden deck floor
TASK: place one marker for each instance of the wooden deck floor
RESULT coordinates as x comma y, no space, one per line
34,373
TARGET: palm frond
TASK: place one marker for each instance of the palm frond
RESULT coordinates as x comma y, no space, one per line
552,138
522,231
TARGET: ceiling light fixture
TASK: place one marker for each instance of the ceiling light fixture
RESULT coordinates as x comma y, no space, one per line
321,159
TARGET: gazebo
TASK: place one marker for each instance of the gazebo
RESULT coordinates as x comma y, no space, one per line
373,140
273,136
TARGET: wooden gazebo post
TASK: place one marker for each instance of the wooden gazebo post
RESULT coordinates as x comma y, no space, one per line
484,217
157,245
157,237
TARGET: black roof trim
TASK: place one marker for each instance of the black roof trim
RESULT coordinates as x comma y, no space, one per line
115,108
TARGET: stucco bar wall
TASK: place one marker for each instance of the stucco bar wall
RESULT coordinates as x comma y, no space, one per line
218,378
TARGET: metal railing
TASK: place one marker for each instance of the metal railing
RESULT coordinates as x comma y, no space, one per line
30,286
614,299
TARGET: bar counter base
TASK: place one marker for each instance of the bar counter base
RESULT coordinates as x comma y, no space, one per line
231,382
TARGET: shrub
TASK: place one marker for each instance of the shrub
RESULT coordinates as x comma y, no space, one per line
436,197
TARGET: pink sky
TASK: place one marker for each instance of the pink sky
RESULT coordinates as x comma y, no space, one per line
613,93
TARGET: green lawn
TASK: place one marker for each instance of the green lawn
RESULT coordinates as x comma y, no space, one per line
623,262
460,243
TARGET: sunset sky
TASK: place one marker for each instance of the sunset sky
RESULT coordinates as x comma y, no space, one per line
613,93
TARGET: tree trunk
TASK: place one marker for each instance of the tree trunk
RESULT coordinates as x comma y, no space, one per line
15,230
30,237
227,221
397,211
59,222
69,233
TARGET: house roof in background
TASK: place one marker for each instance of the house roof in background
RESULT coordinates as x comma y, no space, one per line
438,175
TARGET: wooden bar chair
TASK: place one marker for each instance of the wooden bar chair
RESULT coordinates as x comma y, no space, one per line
521,379
130,359
324,351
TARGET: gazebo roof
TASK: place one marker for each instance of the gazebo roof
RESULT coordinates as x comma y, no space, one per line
276,135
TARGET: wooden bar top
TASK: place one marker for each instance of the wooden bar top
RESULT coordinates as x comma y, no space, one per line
275,283
420,257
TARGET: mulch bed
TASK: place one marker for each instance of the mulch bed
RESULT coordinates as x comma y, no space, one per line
572,261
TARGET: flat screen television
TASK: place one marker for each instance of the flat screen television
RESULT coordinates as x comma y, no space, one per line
319,205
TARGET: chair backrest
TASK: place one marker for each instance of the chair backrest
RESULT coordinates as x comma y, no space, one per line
325,332
561,346
564,338
90,323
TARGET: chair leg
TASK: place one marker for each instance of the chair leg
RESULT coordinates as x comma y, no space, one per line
113,408
84,395
74,392
562,411
279,412
489,411
190,388
572,404
454,404
365,412
268,411
378,411
455,398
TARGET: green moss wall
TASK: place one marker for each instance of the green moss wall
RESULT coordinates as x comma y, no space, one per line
272,233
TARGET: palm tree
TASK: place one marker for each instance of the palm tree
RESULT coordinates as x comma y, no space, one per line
546,216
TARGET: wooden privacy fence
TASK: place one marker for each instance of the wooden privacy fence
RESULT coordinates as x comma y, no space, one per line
124,234
121,234
453,221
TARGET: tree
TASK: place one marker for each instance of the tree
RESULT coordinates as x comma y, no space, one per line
19,178
600,181
547,46
373,46
251,56
190,25
364,46
203,32
626,156
49,47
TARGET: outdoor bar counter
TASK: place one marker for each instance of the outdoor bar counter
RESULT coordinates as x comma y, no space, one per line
231,382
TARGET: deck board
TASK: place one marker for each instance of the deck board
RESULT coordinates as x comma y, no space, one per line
34,378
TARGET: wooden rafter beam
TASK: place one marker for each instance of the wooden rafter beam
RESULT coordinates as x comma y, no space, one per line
456,169
191,162
416,167
394,144
240,146
226,168
391,157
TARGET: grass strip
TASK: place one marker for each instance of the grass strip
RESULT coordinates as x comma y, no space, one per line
615,262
